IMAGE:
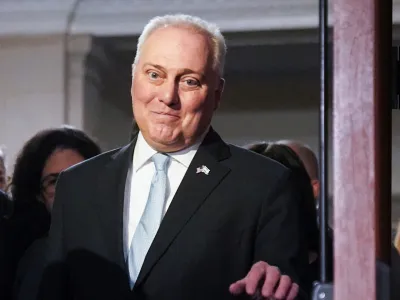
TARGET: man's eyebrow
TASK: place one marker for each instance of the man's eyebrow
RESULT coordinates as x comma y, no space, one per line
155,66
183,71
187,71
190,71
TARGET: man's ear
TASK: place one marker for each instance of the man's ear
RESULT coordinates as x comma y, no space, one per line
316,187
218,92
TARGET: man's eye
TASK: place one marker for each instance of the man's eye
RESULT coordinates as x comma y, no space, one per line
153,75
192,82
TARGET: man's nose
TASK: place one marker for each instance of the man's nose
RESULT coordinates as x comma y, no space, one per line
169,93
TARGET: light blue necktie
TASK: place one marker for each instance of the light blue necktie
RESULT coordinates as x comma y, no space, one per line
151,218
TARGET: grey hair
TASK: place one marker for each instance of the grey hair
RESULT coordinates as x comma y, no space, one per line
2,156
186,21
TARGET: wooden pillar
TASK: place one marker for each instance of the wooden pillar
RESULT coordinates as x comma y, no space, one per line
362,144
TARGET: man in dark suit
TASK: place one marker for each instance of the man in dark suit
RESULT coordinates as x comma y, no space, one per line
177,214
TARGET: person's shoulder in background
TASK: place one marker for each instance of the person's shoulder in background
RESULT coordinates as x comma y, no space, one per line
388,277
5,261
395,274
5,205
29,271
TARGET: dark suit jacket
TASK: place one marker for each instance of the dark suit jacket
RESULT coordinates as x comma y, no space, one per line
24,225
28,275
216,228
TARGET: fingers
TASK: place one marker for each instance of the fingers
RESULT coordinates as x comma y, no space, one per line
238,287
293,292
249,283
271,279
284,287
255,277
265,282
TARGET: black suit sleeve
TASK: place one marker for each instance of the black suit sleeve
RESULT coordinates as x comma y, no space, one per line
54,283
281,234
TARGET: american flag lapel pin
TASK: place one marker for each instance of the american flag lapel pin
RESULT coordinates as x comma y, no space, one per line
203,169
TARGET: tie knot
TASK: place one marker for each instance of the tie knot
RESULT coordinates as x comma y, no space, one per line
160,161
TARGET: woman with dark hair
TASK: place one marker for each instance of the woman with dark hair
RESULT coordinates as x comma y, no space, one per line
36,170
287,157
42,158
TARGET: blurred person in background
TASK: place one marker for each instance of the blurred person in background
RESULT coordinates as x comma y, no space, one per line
4,276
309,160
396,241
395,266
5,210
287,157
33,182
5,203
3,173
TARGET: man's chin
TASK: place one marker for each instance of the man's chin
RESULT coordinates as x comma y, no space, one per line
165,143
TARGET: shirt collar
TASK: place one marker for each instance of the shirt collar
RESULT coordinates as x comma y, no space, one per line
143,152
185,156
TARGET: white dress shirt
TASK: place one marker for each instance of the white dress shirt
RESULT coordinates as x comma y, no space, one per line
139,182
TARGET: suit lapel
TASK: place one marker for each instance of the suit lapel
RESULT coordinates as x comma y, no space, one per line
110,200
192,192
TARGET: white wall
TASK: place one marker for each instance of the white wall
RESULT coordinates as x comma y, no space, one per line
31,88
32,93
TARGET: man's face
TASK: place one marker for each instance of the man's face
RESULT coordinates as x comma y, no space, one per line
175,89
3,178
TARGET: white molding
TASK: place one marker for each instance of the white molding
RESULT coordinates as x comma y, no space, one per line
123,18
127,17
240,39
29,17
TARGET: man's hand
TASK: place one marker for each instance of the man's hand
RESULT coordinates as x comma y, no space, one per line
265,282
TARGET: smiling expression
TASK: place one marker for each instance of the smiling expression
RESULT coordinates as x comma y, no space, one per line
175,89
